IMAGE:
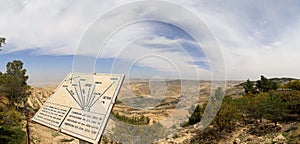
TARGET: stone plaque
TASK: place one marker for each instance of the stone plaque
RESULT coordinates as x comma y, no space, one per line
81,105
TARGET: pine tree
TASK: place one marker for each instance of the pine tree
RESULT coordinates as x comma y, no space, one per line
249,87
264,84
256,107
227,115
274,108
243,104
2,41
13,82
196,116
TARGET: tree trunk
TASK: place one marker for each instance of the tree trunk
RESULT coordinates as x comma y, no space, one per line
220,131
27,127
27,122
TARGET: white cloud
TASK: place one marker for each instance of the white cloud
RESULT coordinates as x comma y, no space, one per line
256,37
48,27
147,49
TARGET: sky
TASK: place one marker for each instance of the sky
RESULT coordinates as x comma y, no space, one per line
253,38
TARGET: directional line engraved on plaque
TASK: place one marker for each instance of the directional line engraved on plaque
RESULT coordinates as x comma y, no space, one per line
86,100
93,102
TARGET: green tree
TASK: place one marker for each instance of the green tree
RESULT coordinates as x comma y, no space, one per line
274,108
207,113
2,41
13,82
294,85
292,100
255,109
249,87
219,94
196,115
227,115
243,105
264,84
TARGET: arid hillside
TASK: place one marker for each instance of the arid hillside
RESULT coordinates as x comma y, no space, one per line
155,100
162,102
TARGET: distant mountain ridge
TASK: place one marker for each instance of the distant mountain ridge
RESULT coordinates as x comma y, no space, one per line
282,80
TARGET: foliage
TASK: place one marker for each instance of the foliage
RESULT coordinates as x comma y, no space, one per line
263,101
293,134
219,94
274,108
227,115
263,129
269,103
264,84
263,105
292,99
210,110
294,85
142,120
105,140
123,132
13,85
2,41
207,136
243,105
13,82
249,87
196,115
11,127
283,79
66,140
55,134
255,107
